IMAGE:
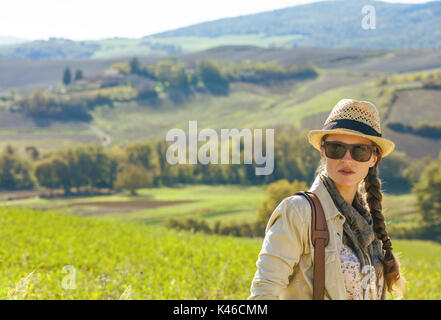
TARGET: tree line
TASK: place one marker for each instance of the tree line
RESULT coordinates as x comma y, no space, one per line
143,164
212,75
423,129
48,104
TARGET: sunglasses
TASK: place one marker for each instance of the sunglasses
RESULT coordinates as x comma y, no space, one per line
359,152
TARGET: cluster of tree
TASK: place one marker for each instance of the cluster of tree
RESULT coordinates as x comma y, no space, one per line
432,84
172,76
274,194
213,75
424,77
67,76
129,169
428,192
76,167
16,172
266,72
44,103
294,158
423,129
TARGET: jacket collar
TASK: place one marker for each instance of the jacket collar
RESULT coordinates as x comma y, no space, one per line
319,189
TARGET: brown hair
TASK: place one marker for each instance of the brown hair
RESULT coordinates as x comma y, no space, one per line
374,197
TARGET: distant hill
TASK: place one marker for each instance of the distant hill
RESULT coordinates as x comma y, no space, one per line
334,24
330,24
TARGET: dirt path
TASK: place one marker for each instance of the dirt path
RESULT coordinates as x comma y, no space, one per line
104,138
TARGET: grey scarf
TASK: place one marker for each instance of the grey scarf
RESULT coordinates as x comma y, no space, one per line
358,227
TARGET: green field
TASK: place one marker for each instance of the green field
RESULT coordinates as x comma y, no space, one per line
211,203
43,251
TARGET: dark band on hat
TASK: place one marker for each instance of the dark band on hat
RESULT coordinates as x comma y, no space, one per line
353,125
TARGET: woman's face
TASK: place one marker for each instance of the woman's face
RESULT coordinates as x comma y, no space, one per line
360,169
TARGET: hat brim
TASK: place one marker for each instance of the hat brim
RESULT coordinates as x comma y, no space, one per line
315,138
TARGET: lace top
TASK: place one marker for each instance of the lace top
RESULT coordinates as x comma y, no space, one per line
359,285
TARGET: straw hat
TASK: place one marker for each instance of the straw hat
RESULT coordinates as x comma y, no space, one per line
359,118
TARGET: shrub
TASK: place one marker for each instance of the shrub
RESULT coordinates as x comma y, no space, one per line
133,177
274,194
428,193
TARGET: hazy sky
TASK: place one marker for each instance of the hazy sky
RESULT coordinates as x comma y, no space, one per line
97,19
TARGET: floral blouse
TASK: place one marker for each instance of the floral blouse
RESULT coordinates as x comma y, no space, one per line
359,286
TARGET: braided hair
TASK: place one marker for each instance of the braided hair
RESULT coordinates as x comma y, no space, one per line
374,196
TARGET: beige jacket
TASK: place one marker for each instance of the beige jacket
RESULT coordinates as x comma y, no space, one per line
285,262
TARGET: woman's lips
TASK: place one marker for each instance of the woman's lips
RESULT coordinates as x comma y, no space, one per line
346,172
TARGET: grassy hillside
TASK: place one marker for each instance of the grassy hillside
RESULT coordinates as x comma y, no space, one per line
109,260
303,103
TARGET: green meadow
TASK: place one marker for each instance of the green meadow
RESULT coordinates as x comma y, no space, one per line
52,255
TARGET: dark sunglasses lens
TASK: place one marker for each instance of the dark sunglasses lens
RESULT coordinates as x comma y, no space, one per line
361,153
335,150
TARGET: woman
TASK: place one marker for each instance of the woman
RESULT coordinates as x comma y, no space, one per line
359,263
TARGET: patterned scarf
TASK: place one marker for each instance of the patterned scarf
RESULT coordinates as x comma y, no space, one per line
358,227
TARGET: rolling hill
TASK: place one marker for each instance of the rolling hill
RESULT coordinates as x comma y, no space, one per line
330,24
304,103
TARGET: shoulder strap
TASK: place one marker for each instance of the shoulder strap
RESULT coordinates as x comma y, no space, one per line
320,239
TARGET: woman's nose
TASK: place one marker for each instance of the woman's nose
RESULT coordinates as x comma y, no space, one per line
347,155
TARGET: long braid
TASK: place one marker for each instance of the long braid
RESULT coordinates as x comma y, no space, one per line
374,196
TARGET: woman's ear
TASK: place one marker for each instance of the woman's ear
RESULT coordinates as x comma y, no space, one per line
374,159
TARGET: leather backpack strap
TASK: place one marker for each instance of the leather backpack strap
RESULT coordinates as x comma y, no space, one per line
320,239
